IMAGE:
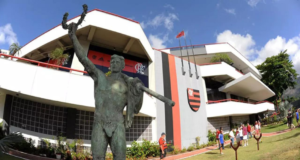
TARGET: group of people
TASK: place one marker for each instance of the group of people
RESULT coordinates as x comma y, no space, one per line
241,134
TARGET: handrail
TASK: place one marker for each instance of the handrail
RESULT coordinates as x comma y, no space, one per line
235,100
42,63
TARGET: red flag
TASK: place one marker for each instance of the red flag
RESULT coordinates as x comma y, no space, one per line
180,34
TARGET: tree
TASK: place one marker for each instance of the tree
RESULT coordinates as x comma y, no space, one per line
278,74
14,49
284,107
221,57
58,56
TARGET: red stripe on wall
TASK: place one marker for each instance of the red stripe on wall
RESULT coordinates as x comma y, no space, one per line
175,98
194,103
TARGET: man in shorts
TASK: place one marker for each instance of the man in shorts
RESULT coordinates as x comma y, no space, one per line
217,137
163,146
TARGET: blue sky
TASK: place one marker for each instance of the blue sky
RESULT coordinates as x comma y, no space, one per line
257,28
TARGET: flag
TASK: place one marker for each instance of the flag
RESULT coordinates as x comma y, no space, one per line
180,34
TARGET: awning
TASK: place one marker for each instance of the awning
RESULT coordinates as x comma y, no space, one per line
248,86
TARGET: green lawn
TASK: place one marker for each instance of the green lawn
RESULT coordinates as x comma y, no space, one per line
7,157
280,147
276,127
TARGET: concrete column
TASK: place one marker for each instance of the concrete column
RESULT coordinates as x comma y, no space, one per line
154,130
151,75
75,62
2,102
228,96
204,90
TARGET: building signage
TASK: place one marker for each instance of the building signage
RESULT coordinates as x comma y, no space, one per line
193,99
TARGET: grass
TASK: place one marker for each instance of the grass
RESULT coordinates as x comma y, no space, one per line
8,157
276,127
280,147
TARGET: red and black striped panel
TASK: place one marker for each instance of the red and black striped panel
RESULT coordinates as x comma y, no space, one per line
194,99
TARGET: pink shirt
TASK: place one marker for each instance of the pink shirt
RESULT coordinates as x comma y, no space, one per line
244,130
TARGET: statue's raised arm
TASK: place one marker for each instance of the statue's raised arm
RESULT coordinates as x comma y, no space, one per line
88,65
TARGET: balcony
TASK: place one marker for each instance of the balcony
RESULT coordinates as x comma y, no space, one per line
234,107
52,86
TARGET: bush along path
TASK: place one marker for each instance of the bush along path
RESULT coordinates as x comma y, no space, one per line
210,148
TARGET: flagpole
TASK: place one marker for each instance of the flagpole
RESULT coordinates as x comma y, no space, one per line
182,66
194,59
188,58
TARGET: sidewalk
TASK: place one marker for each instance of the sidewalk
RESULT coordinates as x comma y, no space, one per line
276,133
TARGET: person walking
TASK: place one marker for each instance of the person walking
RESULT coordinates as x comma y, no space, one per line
297,117
163,146
217,138
221,138
231,135
245,137
249,130
256,128
237,135
241,134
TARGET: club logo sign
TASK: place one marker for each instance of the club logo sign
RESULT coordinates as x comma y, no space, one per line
140,68
194,99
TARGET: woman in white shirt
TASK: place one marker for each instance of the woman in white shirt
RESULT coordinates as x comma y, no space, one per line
241,135
231,137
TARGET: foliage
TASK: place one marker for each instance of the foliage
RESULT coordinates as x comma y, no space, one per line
198,146
197,140
142,150
183,150
221,57
226,136
175,150
10,140
278,73
108,73
211,136
191,148
284,107
14,49
284,121
58,56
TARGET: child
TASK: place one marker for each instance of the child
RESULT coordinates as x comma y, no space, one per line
221,139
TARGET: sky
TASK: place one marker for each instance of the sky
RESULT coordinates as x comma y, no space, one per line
257,28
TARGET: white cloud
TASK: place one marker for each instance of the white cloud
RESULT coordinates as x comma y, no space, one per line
7,35
243,43
230,11
169,6
246,46
157,42
166,20
253,3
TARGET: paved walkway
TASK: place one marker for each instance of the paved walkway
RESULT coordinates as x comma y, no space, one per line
207,149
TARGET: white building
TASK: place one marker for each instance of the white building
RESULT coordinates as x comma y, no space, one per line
40,101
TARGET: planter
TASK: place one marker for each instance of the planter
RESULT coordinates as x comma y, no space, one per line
58,156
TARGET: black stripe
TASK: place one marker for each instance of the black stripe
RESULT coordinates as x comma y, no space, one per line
197,101
195,106
7,109
197,91
70,123
197,96
167,93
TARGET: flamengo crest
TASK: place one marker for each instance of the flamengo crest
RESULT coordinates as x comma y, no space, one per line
194,99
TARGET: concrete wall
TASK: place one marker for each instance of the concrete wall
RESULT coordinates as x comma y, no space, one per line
197,50
159,87
240,119
75,62
216,123
193,124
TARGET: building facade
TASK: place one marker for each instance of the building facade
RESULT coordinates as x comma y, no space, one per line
41,99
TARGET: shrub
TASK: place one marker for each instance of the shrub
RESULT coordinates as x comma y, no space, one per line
197,140
175,150
275,118
191,148
226,136
145,149
221,57
198,146
211,136
183,150
284,121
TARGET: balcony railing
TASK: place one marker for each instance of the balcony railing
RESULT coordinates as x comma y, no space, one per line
236,100
41,64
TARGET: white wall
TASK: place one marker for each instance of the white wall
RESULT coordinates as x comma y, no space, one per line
236,108
55,85
75,62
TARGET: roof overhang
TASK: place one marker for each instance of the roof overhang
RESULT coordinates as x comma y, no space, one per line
102,29
248,86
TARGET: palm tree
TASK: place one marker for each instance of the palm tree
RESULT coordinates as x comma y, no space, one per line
9,140
14,49
58,55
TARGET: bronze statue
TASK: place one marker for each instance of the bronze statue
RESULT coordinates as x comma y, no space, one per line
112,93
